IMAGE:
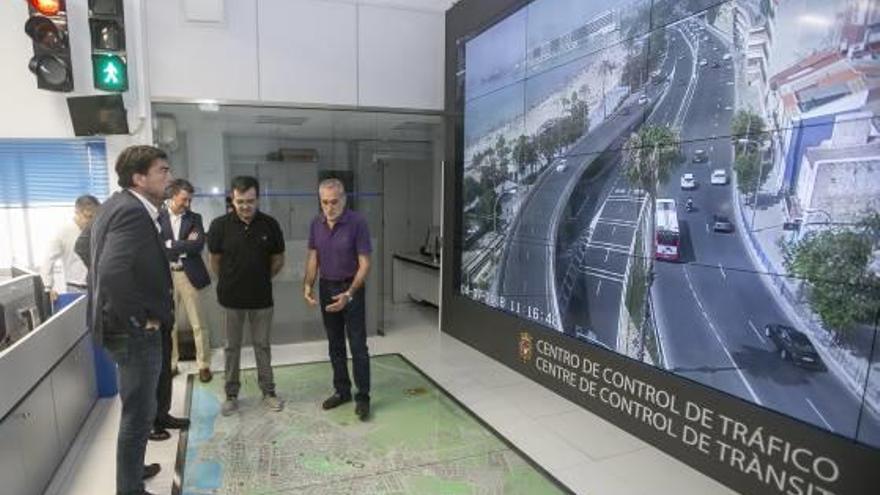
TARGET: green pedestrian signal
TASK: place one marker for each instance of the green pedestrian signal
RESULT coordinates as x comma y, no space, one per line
109,72
109,60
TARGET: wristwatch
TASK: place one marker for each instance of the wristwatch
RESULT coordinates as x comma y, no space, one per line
348,296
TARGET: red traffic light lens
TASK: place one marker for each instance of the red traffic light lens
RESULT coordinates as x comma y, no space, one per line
47,7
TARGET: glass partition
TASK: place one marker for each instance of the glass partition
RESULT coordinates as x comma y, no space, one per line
385,159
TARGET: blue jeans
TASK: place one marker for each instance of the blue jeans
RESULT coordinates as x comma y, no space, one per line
140,361
351,321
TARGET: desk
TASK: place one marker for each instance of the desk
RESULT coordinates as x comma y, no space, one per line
48,383
416,277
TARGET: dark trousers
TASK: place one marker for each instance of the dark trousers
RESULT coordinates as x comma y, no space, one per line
139,360
350,321
163,390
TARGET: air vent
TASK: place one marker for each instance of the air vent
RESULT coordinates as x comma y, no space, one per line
277,120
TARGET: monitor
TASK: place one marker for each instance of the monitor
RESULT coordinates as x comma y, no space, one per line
97,115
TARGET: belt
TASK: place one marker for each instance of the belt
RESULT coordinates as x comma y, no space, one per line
78,286
343,281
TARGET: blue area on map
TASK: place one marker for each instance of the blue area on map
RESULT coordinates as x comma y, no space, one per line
202,477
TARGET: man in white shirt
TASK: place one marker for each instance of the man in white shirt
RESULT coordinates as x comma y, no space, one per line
61,249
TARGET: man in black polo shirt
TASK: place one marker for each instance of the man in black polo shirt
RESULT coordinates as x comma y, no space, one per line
247,251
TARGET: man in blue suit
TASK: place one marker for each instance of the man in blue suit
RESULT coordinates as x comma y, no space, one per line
184,238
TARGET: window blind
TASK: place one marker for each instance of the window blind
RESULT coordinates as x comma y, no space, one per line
47,172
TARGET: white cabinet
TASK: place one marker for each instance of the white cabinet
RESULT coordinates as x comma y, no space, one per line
14,479
415,277
74,390
32,429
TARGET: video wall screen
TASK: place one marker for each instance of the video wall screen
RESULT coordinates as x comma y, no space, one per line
691,184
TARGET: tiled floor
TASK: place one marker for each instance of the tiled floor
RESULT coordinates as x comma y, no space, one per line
584,452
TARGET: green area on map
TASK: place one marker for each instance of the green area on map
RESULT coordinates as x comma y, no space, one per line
417,441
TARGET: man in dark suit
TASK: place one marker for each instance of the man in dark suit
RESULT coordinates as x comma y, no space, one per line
184,239
130,299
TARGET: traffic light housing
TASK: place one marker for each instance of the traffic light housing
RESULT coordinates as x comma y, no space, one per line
109,62
47,28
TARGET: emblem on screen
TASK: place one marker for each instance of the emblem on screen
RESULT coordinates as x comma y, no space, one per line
525,347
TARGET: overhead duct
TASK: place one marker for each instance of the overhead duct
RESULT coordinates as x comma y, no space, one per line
295,155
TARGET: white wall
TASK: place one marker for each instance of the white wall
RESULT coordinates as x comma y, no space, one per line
400,58
336,52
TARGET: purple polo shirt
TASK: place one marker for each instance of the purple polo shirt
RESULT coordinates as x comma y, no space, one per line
339,248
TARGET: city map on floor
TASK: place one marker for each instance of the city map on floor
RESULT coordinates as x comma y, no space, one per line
418,440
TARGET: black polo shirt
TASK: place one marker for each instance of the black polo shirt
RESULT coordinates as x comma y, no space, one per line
245,269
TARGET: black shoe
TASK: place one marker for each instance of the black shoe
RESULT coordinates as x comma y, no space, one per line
362,410
172,423
151,470
335,400
159,434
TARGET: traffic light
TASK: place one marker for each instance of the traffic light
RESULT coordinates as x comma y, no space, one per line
107,27
47,28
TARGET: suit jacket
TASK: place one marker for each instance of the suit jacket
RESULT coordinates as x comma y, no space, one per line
129,279
193,264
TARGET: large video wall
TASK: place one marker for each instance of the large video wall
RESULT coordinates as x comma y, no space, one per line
694,185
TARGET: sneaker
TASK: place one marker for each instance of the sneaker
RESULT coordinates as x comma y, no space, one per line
362,410
335,400
273,403
230,405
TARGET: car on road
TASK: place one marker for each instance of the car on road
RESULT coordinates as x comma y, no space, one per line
700,156
726,56
719,177
704,62
720,223
643,100
688,181
562,165
793,345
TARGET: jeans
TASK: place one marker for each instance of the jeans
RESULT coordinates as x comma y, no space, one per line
163,389
261,327
351,321
139,360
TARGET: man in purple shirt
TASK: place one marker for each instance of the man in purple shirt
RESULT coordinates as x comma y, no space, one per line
339,248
